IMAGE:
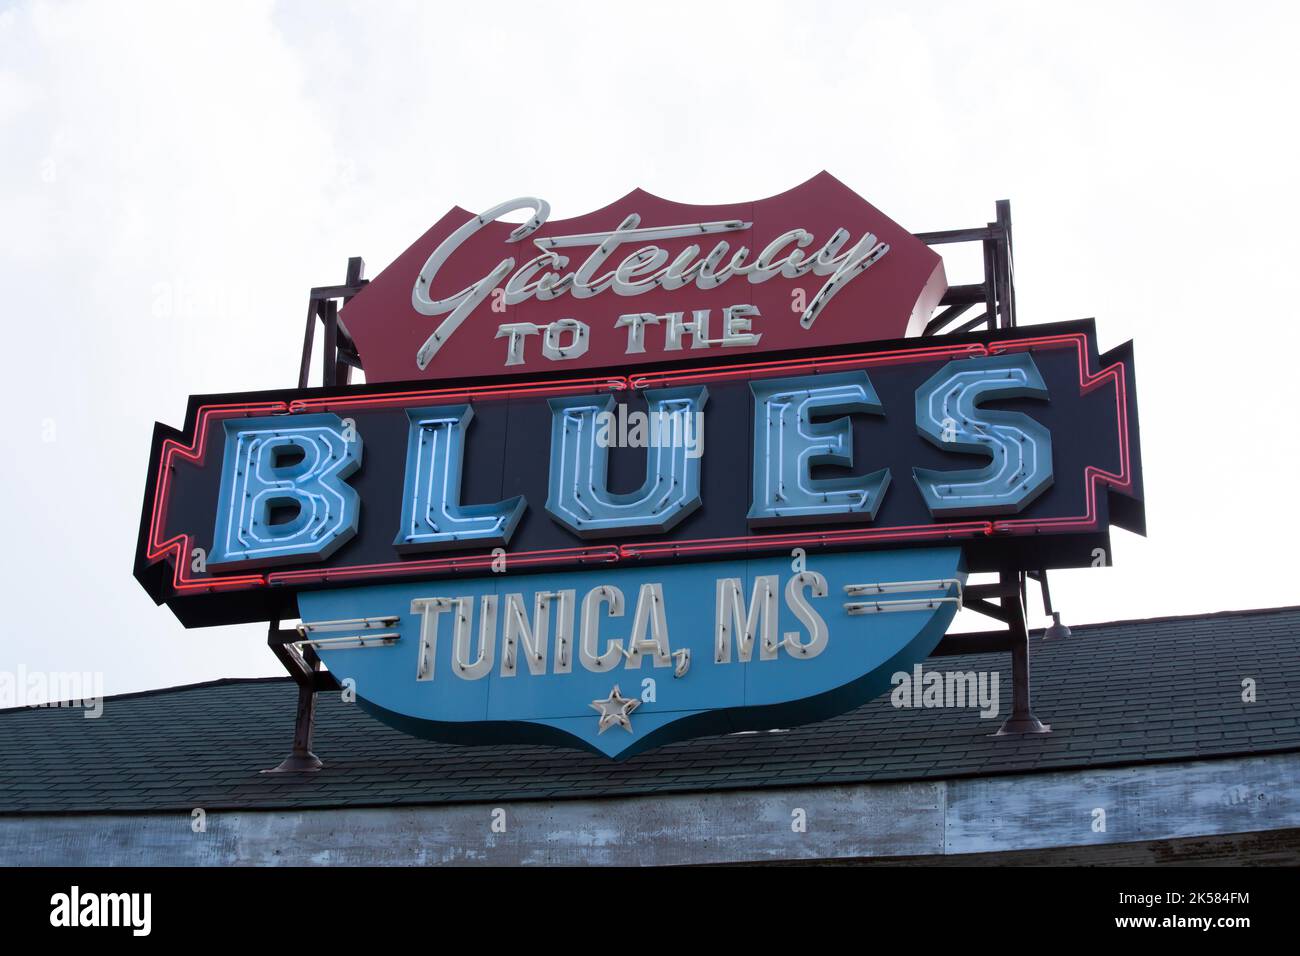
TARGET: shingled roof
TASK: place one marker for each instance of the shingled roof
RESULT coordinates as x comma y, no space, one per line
1127,692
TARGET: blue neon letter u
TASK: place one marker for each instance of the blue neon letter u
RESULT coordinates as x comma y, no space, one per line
579,496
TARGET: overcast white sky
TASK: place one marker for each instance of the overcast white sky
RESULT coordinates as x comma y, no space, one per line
175,176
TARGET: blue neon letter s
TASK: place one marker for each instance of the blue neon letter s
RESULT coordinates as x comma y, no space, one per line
788,443
432,515
286,464
1019,448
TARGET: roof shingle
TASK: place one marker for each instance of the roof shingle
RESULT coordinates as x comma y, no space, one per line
1120,693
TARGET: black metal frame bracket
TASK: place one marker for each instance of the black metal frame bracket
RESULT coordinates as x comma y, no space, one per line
997,293
1010,593
339,356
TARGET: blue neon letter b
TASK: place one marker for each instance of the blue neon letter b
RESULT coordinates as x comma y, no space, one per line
283,494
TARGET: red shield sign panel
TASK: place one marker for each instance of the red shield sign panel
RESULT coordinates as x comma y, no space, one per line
643,280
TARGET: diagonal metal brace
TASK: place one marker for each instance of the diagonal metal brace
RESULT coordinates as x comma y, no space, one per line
304,667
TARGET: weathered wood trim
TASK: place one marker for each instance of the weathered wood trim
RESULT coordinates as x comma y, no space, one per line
919,819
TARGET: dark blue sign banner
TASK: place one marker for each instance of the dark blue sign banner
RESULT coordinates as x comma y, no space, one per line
1021,446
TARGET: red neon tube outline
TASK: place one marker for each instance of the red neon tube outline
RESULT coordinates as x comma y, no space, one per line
178,546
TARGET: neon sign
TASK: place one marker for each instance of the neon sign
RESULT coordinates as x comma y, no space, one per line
648,473
907,444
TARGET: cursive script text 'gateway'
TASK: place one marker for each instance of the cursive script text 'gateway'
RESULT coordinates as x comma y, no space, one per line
647,268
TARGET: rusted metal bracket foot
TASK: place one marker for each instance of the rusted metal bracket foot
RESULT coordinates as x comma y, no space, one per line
1022,719
1010,610
304,667
297,763
301,759
1023,725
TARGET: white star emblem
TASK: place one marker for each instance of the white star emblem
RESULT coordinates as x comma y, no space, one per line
615,709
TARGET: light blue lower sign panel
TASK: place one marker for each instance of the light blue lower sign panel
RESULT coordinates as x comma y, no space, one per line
623,659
